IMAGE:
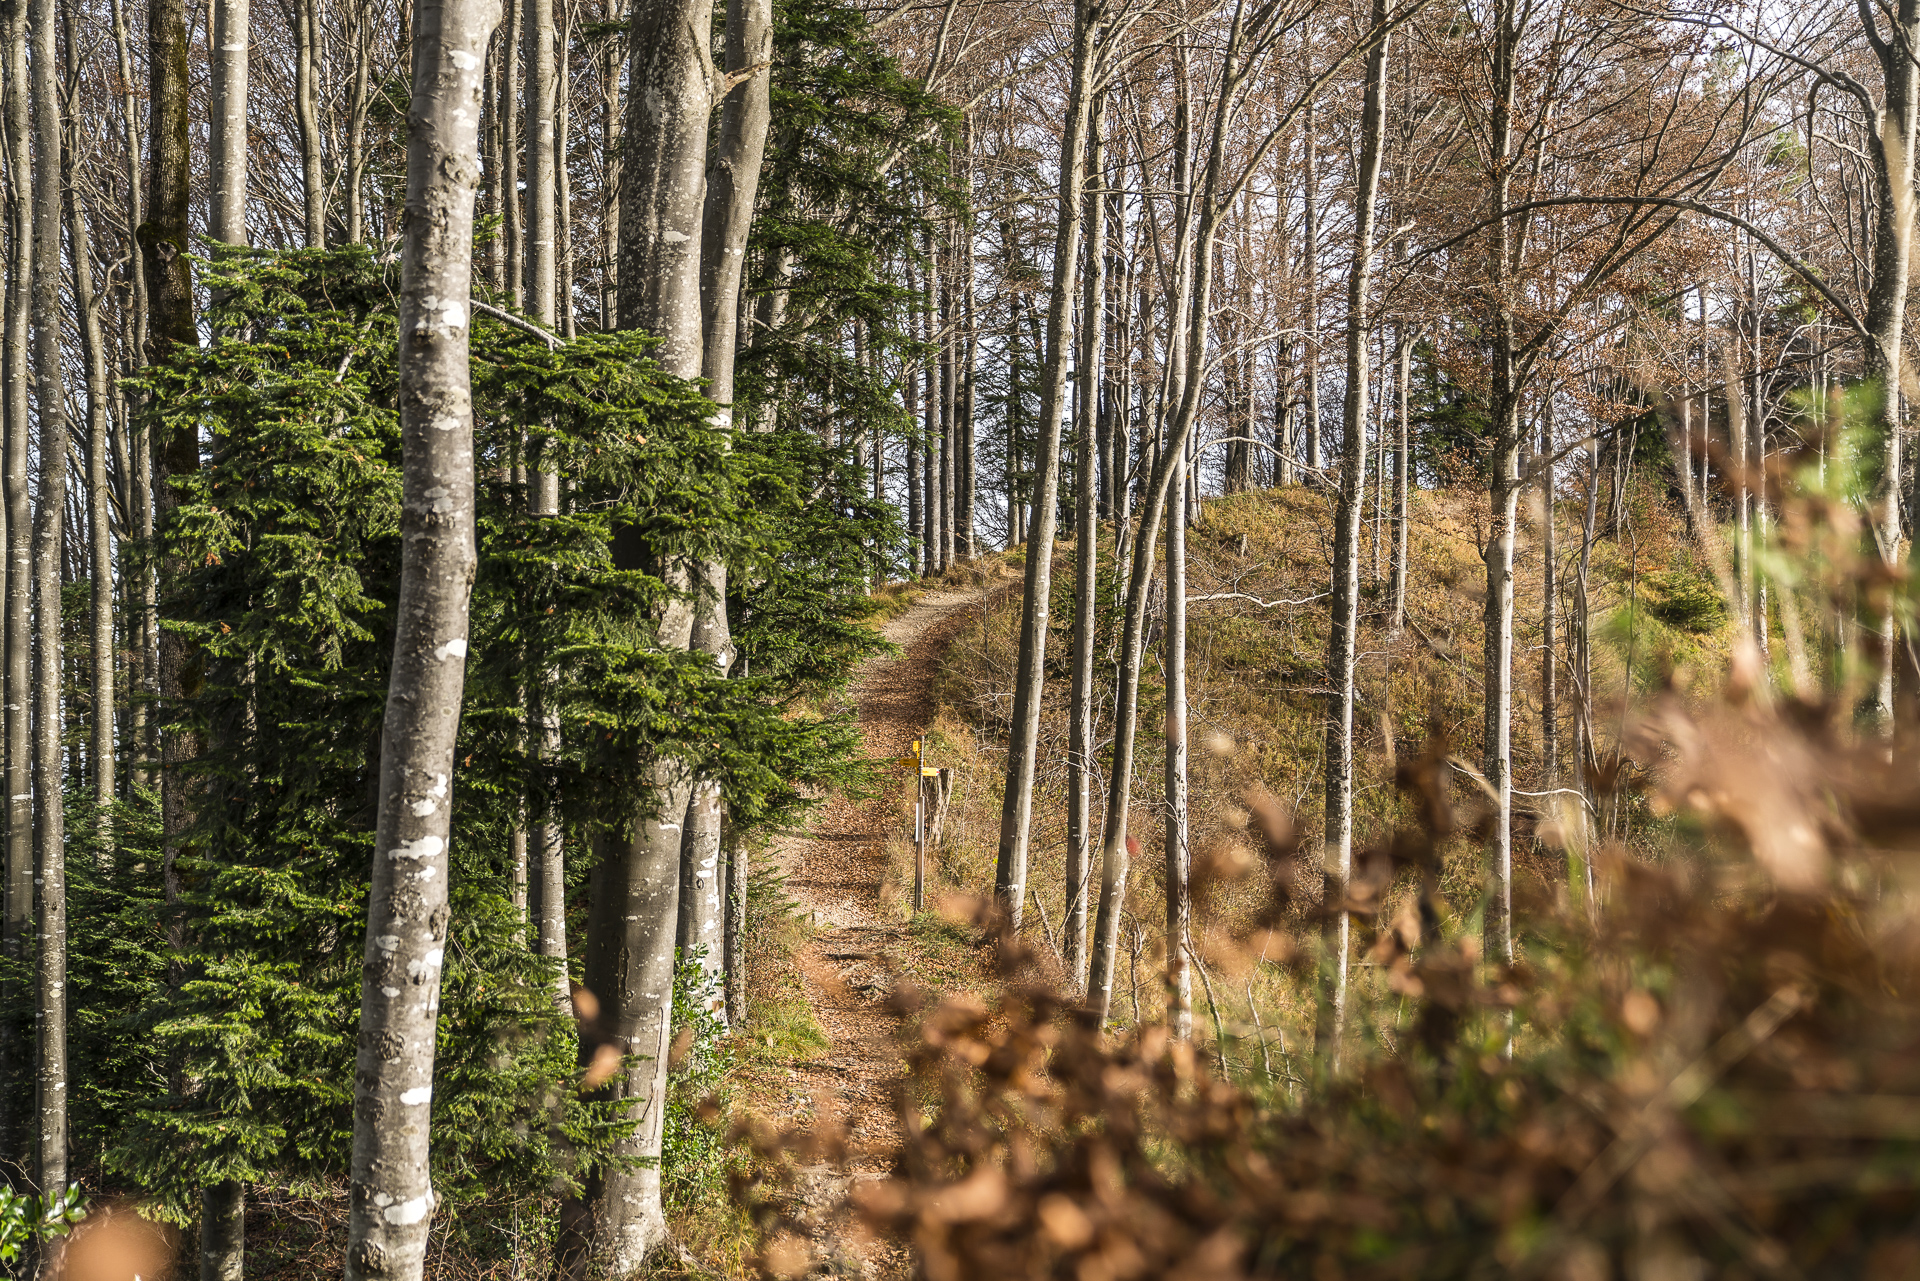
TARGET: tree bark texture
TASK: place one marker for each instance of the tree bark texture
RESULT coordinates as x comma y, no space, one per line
306,100
542,263
227,123
391,1194
49,538
223,1232
17,583
632,928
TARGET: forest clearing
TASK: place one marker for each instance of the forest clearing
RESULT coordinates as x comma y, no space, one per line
968,639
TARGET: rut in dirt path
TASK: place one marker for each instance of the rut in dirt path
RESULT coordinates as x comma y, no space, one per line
835,874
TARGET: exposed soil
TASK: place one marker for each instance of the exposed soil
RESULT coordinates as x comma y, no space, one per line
836,874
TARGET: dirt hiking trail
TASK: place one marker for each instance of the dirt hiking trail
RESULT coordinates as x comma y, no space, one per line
835,873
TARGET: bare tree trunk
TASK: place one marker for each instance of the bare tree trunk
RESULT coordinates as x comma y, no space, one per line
1178,853
513,220
227,123
1344,621
359,101
17,581
1086,565
1187,323
1310,236
1549,612
49,541
1503,496
1402,480
306,104
98,489
949,403
392,1199
964,487
1016,813
910,404
223,1231
1893,140
563,177
631,931
548,874
732,183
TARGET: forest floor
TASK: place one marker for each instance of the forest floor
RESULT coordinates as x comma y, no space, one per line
843,876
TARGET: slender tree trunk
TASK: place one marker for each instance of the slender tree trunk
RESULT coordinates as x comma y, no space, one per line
359,101
949,403
1503,496
1016,814
49,544
632,925
1549,612
548,874
964,483
227,123
1402,480
1086,564
1310,236
1344,620
1893,141
306,103
98,493
17,582
732,183
513,229
392,1201
1190,318
1178,853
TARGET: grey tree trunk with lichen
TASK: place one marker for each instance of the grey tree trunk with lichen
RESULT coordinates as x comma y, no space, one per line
733,180
227,123
49,537
16,1047
391,1196
631,932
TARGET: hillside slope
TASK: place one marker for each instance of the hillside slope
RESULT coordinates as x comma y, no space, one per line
1257,697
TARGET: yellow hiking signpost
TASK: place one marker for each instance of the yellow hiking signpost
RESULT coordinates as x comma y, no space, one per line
915,758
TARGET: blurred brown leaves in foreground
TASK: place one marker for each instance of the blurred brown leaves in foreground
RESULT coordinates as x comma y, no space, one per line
1717,1072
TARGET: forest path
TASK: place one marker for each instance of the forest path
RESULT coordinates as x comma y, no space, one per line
836,873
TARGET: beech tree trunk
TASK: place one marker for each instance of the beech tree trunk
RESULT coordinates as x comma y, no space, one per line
1086,567
227,124
1893,138
49,539
1344,619
98,489
1402,480
548,874
632,928
223,1232
1016,812
733,181
306,103
1178,854
17,583
392,1197
1503,491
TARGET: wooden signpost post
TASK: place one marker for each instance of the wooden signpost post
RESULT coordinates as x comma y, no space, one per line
929,813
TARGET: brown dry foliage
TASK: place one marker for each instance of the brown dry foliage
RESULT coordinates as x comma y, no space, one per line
1718,1069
